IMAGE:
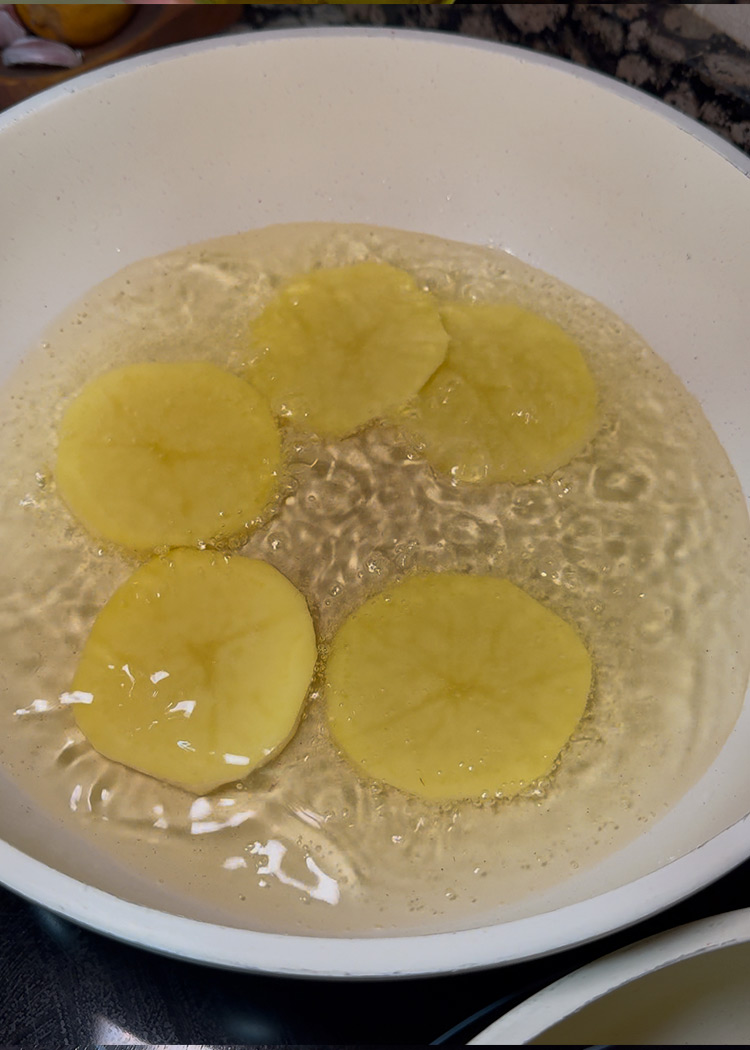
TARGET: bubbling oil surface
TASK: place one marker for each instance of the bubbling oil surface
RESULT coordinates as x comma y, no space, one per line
641,542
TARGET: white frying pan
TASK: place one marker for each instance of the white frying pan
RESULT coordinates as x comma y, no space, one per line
596,183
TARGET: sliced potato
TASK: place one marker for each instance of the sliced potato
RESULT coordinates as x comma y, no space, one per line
453,686
196,669
513,401
157,455
337,348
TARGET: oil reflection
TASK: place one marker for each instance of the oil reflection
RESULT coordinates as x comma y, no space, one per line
325,888
207,815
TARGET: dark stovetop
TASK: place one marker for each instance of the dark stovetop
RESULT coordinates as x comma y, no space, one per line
63,986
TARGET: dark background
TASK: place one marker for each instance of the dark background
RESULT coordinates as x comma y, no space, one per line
61,986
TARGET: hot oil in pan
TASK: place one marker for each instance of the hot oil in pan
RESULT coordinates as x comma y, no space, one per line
641,542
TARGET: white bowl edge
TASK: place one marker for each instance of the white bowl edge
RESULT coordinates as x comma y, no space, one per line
579,989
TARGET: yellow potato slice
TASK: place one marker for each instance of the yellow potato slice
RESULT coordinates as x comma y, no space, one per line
513,401
154,455
452,686
338,348
196,669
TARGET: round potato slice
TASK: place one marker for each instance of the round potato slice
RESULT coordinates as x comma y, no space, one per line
196,669
514,399
337,348
452,686
155,455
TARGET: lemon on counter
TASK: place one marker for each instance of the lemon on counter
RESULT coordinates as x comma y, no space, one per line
338,348
452,686
196,670
81,25
514,399
154,455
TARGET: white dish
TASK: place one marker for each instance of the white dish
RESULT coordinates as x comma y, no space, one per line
685,987
599,185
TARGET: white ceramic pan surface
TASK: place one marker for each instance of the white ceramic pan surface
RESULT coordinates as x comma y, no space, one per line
686,987
599,185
